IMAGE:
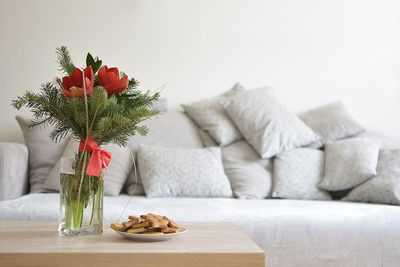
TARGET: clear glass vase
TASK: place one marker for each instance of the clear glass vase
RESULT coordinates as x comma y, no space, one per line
81,200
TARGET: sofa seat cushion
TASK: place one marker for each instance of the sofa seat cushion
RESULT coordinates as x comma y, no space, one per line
291,232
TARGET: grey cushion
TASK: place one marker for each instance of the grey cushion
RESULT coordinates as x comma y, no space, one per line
385,186
206,139
169,172
43,153
114,176
297,174
349,163
173,129
160,105
210,115
385,142
13,170
250,176
331,122
268,126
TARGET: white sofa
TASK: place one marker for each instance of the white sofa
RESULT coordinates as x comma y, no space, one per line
291,232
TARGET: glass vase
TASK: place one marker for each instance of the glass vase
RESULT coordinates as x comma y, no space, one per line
81,199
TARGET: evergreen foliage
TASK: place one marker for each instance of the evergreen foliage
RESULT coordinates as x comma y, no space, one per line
64,60
111,119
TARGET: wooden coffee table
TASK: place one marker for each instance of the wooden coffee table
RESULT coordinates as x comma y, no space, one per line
37,243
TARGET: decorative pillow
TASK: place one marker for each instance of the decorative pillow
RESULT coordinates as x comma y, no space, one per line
210,115
172,129
383,188
13,170
206,139
385,142
168,172
297,174
331,122
161,105
268,126
249,175
114,176
349,163
43,153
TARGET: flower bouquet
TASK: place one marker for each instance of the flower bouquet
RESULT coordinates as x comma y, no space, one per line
97,105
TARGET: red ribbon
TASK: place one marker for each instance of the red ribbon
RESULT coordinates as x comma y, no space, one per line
99,158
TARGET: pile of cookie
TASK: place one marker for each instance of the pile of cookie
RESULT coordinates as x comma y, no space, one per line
148,224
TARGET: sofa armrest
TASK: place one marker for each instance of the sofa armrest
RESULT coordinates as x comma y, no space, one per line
13,170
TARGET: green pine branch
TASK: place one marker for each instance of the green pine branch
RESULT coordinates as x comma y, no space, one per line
64,60
110,120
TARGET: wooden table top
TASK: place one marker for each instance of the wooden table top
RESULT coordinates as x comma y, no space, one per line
37,243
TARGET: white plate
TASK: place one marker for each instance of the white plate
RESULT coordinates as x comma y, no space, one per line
149,238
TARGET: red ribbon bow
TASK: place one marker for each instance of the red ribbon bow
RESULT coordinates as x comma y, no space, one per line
99,158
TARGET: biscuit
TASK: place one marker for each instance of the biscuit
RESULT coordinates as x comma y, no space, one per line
139,225
151,224
134,219
118,226
136,230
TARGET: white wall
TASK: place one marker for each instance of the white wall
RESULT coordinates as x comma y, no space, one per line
311,51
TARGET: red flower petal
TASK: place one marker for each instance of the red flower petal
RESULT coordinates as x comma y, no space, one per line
76,77
89,73
66,82
110,80
118,86
102,75
111,77
73,84
76,92
115,71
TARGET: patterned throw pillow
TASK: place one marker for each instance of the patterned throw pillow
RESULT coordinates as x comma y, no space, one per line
384,188
169,172
349,163
250,176
43,153
331,122
297,174
266,125
172,129
210,115
206,139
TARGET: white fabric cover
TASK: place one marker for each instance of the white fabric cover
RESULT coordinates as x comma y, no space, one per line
172,129
43,153
161,105
114,176
385,142
349,163
331,122
13,163
210,115
206,139
385,186
297,174
266,125
172,172
291,232
250,176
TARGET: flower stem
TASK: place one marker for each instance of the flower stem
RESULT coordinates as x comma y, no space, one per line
83,170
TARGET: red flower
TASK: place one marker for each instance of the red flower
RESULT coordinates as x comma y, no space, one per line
110,80
73,84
